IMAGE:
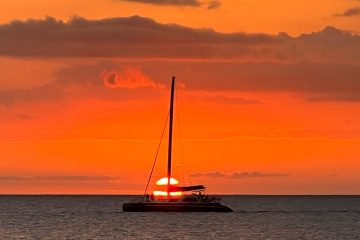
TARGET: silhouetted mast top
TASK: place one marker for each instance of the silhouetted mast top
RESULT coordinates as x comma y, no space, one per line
170,131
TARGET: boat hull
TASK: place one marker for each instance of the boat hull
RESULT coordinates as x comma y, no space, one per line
175,207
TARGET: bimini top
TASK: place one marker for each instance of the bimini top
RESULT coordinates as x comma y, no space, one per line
187,188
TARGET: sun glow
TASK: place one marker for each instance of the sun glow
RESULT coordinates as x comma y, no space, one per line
164,194
164,181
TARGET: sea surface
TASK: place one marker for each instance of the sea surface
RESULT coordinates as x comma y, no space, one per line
254,217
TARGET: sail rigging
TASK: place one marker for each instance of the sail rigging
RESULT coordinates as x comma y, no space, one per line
156,157
169,183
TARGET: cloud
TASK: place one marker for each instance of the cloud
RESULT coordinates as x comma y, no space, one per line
126,37
60,184
315,81
208,174
214,5
348,97
179,3
142,38
130,78
355,11
192,3
324,65
103,80
257,175
117,81
239,175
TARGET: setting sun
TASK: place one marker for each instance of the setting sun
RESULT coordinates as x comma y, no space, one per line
165,181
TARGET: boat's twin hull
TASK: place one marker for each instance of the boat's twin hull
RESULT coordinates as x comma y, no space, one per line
174,207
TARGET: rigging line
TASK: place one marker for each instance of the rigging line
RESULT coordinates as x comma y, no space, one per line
156,155
179,131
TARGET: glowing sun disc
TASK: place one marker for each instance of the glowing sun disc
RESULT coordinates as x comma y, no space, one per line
164,181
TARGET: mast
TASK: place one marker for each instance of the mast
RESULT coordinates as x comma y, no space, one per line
170,132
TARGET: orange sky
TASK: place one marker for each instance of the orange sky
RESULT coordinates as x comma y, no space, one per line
83,103
234,15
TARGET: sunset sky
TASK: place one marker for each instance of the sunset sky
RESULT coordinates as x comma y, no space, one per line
267,95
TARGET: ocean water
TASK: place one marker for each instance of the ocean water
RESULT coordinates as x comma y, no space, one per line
255,217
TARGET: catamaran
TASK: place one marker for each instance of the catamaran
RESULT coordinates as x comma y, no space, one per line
174,198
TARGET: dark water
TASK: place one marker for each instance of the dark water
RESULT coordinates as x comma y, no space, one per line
255,217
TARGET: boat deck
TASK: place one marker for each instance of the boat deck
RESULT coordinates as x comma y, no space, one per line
175,207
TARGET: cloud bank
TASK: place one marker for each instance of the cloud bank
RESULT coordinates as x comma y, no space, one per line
179,3
132,37
355,11
193,3
324,65
138,37
239,175
110,80
214,5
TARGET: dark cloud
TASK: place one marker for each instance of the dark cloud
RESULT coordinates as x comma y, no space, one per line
66,183
238,175
114,81
192,3
355,11
257,175
208,174
214,5
179,3
320,81
128,37
346,97
138,37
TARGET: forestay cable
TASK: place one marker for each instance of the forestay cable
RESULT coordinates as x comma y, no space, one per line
156,155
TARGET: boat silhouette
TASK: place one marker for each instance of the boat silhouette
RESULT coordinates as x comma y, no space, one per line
172,198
